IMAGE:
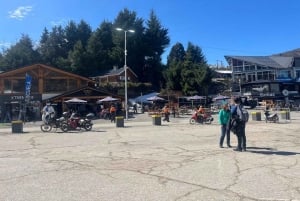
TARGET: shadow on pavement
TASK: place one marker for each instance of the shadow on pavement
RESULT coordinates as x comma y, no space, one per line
270,151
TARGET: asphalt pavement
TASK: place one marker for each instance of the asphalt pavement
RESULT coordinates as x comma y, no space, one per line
174,161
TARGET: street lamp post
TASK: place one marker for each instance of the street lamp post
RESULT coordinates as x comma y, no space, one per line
125,67
240,86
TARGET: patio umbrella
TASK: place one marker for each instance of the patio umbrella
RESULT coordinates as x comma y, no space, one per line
76,101
155,98
107,99
196,97
220,97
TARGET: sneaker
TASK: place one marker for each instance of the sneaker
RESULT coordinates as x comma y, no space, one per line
237,149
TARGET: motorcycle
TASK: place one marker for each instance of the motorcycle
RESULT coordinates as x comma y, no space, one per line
75,122
201,118
51,122
271,117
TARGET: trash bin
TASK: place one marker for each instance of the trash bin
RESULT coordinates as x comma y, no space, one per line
119,121
256,116
156,120
17,126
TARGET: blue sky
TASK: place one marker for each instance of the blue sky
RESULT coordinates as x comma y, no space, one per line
219,27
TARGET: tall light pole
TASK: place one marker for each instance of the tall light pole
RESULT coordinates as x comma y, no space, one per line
240,86
125,67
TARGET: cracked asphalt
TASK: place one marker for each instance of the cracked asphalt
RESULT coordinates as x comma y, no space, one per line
143,162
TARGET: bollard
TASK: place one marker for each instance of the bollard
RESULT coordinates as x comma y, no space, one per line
256,116
285,115
17,127
119,121
156,120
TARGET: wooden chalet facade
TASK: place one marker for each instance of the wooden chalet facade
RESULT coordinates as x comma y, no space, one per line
47,84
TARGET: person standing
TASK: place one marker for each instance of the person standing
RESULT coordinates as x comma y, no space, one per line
224,118
240,126
173,111
166,113
112,112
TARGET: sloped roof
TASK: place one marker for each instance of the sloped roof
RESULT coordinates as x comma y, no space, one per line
117,71
290,53
270,61
80,92
35,66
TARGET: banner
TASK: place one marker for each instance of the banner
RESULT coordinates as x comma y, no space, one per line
27,87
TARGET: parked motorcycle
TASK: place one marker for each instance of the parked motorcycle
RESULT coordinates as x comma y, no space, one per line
53,123
201,118
76,122
271,117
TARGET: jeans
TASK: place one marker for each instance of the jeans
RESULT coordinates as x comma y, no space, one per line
225,131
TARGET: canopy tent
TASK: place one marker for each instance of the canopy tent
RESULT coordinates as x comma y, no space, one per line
143,98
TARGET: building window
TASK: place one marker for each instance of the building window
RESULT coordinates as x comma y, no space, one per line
297,74
284,74
297,62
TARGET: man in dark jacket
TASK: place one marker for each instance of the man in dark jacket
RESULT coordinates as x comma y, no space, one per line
240,126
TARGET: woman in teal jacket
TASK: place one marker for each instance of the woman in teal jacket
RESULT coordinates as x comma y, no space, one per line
224,118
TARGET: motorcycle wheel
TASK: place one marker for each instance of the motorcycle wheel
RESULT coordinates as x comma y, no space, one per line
200,119
88,126
46,127
208,121
64,127
192,121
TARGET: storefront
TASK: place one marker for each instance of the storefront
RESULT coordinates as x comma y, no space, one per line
14,107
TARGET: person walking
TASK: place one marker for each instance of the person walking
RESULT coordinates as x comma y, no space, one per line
224,118
240,125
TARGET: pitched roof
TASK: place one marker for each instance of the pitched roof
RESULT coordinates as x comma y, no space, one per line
271,61
290,53
34,66
117,71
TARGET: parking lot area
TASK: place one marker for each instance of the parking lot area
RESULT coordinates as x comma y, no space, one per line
175,161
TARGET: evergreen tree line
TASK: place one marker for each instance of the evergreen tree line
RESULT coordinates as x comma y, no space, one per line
78,49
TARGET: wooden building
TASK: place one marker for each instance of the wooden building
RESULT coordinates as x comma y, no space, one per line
28,89
116,75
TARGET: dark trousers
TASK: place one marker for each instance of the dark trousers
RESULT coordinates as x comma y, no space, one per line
166,117
112,117
225,132
241,137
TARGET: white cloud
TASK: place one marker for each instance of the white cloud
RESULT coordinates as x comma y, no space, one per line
20,12
59,22
4,44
